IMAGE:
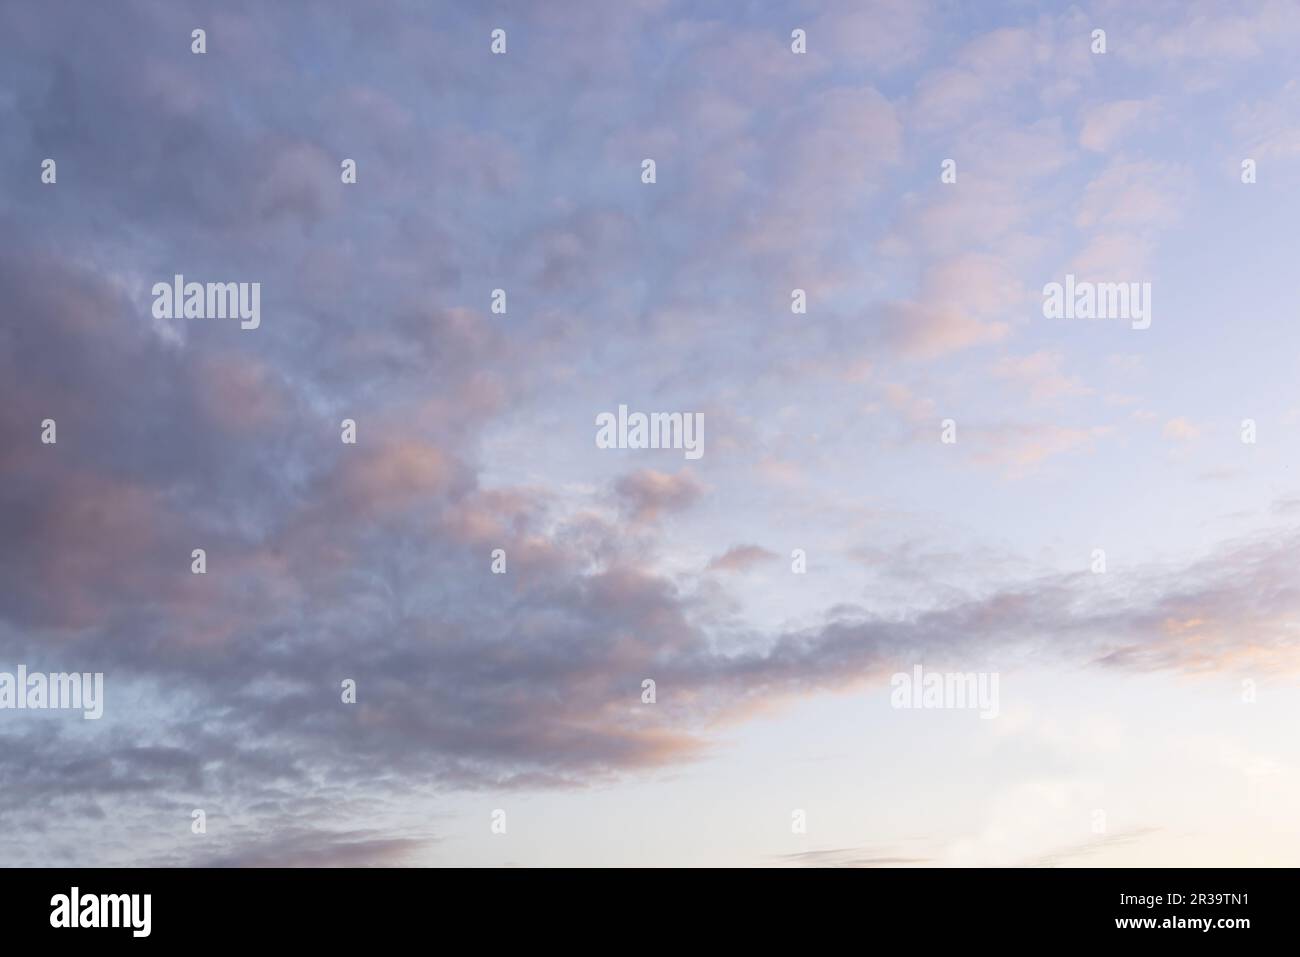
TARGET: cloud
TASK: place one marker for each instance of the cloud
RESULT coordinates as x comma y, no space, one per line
308,847
1135,194
740,558
647,493
881,34
1207,32
1122,213
849,857
1040,374
989,65
918,412
1266,127
1180,430
1073,855
1021,449
959,305
1106,123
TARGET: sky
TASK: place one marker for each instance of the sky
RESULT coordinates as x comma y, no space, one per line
921,469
